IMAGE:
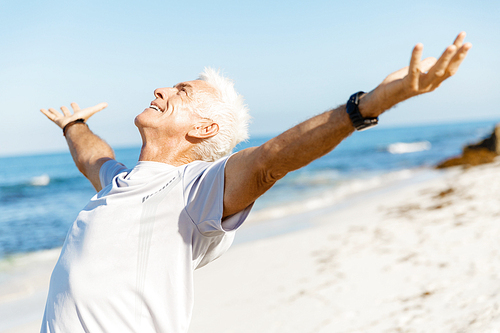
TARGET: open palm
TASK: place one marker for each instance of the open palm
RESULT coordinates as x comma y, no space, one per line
61,119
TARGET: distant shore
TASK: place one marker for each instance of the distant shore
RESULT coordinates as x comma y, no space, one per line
419,256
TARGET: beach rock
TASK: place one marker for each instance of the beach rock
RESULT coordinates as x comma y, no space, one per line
482,152
491,143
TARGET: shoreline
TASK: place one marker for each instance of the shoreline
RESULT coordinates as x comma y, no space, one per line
285,218
376,261
329,199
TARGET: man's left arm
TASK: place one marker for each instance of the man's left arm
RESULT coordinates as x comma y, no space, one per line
251,172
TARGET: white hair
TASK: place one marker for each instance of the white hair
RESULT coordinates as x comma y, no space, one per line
228,110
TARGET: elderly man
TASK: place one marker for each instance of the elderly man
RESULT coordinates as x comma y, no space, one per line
128,260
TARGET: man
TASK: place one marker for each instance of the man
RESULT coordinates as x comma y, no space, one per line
128,260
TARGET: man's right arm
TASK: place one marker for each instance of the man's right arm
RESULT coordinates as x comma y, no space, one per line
89,152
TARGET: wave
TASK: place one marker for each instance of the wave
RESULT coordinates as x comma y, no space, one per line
35,181
42,180
333,195
412,147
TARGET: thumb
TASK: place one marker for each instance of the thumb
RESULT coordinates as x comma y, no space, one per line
98,107
88,112
427,64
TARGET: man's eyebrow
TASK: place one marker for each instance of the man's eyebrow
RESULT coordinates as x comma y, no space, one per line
183,85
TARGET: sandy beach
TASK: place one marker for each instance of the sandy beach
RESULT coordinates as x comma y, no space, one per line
419,257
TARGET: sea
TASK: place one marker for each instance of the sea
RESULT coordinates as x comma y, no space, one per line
41,195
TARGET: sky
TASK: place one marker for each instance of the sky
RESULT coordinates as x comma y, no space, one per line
290,59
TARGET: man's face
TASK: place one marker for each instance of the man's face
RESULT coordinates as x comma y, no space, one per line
172,110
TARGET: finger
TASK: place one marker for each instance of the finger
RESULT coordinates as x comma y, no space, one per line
459,40
49,114
458,58
65,111
54,112
439,69
414,70
75,107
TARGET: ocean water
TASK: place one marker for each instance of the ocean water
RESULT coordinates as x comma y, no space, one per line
41,195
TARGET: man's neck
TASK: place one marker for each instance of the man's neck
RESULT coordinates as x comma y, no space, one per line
169,155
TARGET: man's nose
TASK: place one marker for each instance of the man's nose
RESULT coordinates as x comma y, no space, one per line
162,93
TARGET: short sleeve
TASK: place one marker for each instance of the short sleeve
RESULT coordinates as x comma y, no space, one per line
109,170
205,198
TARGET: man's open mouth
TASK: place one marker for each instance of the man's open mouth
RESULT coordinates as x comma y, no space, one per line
155,107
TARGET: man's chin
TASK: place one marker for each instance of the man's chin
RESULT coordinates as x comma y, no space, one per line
137,121
145,119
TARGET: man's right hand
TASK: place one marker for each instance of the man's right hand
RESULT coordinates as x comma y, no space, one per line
66,117
88,150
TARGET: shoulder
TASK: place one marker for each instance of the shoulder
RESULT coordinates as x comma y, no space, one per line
108,170
205,169
201,178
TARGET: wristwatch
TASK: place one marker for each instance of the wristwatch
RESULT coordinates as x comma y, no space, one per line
358,121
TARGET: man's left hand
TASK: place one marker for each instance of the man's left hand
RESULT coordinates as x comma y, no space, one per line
420,77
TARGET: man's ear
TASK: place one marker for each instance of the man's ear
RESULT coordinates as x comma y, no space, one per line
204,129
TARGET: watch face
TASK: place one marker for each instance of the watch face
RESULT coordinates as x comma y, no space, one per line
365,127
366,124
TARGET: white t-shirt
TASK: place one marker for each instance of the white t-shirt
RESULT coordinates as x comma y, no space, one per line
127,262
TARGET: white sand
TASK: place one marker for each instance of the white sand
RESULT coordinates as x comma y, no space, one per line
407,260
24,284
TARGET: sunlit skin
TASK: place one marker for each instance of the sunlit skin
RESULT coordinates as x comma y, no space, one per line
169,137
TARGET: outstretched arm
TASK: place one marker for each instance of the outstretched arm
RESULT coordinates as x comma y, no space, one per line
251,172
88,150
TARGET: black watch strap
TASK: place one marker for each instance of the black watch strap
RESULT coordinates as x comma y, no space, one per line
357,119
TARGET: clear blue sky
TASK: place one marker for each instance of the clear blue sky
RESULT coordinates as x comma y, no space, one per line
290,59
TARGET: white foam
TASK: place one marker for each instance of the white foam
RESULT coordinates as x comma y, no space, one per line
403,147
333,195
42,180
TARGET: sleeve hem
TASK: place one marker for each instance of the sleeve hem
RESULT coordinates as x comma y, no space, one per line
211,224
233,222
